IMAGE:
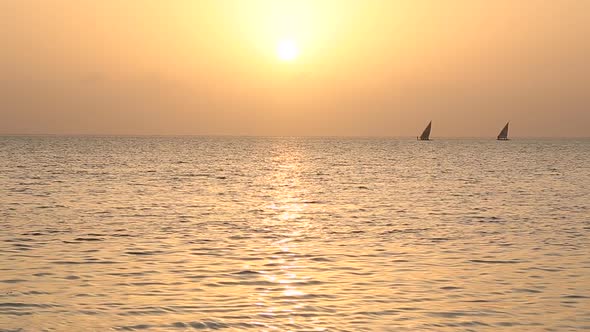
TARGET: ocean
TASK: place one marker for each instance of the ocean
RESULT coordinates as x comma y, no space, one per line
294,234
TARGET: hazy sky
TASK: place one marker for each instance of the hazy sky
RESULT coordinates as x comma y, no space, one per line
365,67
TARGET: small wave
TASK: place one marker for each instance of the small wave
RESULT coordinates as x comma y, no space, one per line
526,290
34,233
88,239
575,297
13,281
241,283
247,272
197,325
42,274
26,305
483,261
21,246
33,292
88,261
321,259
439,239
145,252
135,327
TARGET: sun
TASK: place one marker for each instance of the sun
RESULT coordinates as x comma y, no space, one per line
287,50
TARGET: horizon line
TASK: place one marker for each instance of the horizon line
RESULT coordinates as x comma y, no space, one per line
278,136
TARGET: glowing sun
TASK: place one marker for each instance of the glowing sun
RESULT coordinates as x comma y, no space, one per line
287,50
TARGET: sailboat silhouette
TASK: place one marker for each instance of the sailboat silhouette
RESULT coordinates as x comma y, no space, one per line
503,136
426,133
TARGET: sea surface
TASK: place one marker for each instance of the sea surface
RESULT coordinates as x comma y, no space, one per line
293,234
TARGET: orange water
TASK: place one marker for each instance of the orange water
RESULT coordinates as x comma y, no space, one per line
300,234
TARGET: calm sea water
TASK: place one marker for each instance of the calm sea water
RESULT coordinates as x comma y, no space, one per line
294,234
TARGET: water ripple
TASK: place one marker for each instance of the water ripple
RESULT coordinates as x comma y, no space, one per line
285,233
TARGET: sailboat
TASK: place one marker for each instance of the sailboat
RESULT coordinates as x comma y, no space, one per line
503,136
426,133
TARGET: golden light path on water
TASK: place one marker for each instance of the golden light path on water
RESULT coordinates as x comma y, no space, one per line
285,208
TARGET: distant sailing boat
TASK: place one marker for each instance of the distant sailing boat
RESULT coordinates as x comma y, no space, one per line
426,133
503,136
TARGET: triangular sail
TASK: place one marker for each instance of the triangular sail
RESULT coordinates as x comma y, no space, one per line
504,133
426,133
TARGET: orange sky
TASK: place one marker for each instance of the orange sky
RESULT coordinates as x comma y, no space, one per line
382,68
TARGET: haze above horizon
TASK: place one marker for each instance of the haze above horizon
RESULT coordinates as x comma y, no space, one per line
295,68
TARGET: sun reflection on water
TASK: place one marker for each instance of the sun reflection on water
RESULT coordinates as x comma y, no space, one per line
285,213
